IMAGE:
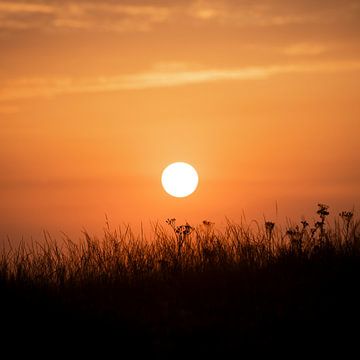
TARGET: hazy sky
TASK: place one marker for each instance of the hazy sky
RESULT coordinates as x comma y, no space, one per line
97,97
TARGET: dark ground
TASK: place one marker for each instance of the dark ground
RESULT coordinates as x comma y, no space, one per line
290,307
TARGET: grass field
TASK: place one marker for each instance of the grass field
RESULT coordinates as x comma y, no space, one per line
187,291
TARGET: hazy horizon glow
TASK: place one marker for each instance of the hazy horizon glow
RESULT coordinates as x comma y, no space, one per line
96,98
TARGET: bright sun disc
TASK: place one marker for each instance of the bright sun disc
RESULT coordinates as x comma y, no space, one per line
179,179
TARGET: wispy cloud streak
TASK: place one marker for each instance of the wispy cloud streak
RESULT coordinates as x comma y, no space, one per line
13,7
305,49
272,13
157,78
107,15
95,16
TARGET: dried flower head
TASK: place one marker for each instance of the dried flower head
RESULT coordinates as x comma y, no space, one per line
208,223
171,222
346,216
304,224
323,210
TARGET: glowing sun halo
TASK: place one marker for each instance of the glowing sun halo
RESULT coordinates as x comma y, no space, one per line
179,179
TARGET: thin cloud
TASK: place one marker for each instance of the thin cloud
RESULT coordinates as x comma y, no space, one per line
120,16
305,49
157,78
7,7
274,13
100,16
252,14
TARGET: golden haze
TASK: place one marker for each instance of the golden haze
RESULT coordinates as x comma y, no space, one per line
97,98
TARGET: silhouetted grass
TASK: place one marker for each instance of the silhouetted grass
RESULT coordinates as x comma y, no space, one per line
187,290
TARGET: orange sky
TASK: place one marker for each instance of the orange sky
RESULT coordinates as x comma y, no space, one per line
97,97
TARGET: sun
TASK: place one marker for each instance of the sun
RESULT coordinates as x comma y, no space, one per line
179,179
